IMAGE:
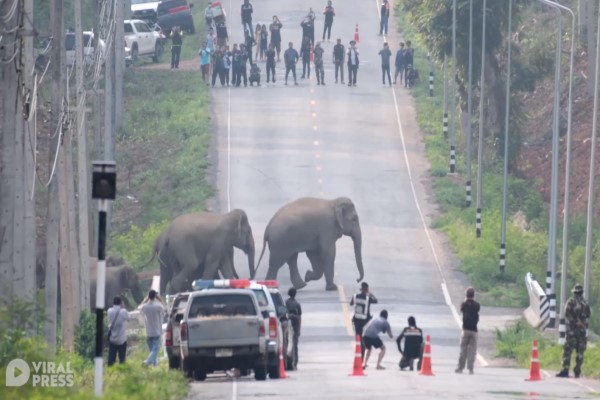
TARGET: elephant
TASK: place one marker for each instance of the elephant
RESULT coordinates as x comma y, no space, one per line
313,226
200,245
119,280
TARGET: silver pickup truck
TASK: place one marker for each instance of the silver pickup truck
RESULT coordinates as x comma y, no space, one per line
223,329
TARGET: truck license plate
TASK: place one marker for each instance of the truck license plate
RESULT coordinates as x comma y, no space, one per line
223,352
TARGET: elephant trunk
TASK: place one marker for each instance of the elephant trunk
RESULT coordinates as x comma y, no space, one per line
250,253
137,293
357,240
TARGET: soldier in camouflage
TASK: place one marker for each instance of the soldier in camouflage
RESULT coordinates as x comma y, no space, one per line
577,313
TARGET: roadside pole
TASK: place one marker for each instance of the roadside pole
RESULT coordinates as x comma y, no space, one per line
469,111
453,98
481,123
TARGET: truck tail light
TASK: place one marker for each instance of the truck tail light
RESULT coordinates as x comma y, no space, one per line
169,335
184,331
272,327
261,329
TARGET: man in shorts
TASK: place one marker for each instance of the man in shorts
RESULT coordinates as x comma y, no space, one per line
371,337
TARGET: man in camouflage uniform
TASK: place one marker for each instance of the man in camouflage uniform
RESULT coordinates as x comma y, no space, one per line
577,312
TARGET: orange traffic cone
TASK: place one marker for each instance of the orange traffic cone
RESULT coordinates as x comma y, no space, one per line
356,37
282,373
357,369
534,370
426,366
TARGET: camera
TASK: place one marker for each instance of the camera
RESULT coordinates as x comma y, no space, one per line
104,180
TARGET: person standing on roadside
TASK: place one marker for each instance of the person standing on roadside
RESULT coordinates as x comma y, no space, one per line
176,42
242,62
235,64
249,42
409,59
305,51
399,63
385,16
246,12
295,313
319,70
204,54
362,310
338,60
275,29
468,339
226,65
385,54
371,337
153,308
329,13
290,58
577,314
264,41
210,40
271,63
217,66
117,328
352,63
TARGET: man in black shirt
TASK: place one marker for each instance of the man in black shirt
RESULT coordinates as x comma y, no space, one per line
271,62
329,13
295,313
338,59
468,340
290,57
247,16
242,61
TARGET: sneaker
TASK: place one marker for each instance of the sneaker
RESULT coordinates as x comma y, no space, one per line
563,374
349,84
365,366
394,82
286,82
323,83
343,83
379,367
319,83
471,372
296,83
458,371
336,81
577,374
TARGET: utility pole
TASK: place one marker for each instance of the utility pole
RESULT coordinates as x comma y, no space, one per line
109,104
453,98
481,126
53,215
469,110
82,168
119,63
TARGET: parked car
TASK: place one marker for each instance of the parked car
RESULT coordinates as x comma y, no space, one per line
144,10
223,329
89,51
172,13
142,40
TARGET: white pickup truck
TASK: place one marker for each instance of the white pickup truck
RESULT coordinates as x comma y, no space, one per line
223,329
143,40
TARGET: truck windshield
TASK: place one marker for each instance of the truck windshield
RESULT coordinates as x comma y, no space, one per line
222,305
261,297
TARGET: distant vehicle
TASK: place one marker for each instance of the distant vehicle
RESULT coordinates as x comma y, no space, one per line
89,51
142,40
144,10
172,13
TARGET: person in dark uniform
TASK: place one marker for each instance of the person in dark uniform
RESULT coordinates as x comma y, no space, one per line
295,314
385,54
290,57
271,63
275,29
305,54
217,66
246,12
249,42
338,59
235,62
468,339
409,58
319,70
329,13
413,345
242,61
176,42
385,16
308,29
362,311
222,35
577,314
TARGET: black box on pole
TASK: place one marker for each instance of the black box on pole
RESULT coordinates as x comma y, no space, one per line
104,180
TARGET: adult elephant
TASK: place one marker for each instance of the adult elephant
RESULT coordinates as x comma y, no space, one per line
119,281
200,245
313,226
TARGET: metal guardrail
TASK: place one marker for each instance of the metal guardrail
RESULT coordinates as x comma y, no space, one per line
538,312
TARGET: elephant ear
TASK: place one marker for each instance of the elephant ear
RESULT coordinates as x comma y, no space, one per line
242,221
341,207
128,277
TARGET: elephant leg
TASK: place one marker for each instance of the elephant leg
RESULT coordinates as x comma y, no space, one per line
227,268
314,257
212,264
328,258
295,273
275,262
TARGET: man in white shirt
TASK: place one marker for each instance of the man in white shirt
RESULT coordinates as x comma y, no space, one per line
153,309
117,325
352,55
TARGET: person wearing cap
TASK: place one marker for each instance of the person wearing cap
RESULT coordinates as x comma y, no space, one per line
352,63
372,339
413,345
362,311
468,339
152,309
577,313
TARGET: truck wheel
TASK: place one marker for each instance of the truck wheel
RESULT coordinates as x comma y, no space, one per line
274,372
185,368
174,362
158,50
260,373
199,374
134,54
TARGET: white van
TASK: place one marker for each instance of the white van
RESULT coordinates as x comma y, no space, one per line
89,51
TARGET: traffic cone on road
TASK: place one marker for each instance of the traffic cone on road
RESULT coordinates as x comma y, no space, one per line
357,369
282,373
534,369
356,37
426,366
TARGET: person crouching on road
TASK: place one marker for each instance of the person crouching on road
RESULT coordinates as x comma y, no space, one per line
117,328
295,313
176,42
153,308
413,345
371,337
319,70
468,339
254,75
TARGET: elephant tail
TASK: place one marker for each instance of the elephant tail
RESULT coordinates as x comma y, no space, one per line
262,253
154,253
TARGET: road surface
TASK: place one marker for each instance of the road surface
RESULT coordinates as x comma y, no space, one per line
277,143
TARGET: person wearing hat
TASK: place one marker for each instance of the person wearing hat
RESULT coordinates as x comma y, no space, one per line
352,63
468,339
577,313
413,345
362,311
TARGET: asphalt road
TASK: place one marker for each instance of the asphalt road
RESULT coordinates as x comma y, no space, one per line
277,143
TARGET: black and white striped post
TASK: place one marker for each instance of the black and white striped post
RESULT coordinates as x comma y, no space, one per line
562,331
430,74
104,185
478,223
445,122
552,299
502,256
452,159
468,193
